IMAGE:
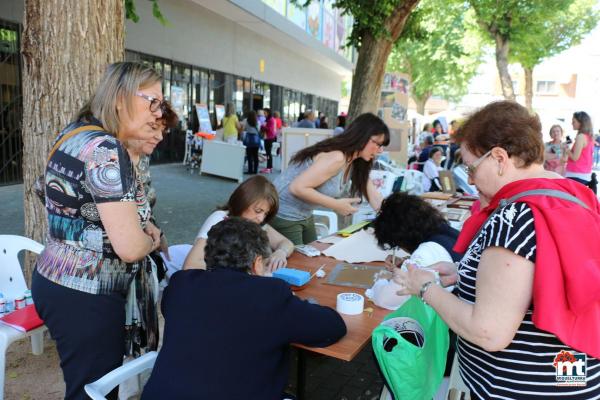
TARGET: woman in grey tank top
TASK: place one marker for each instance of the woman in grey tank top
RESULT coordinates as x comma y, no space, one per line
317,176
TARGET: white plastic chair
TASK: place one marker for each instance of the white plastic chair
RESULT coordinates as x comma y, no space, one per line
456,387
12,284
99,389
326,229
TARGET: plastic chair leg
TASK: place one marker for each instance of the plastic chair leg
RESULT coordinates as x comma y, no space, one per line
3,346
37,343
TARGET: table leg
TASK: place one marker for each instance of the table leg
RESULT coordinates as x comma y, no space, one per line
301,375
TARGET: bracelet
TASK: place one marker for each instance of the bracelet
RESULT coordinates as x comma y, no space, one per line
424,288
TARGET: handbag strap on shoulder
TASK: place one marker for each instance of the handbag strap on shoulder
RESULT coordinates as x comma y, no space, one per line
544,192
534,192
70,135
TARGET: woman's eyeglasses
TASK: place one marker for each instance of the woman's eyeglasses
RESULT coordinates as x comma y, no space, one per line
470,169
155,102
379,145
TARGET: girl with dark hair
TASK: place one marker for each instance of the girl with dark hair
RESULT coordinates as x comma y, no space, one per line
317,176
256,200
252,142
269,130
580,162
408,222
432,169
438,129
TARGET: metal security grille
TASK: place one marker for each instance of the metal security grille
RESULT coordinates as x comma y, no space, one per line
11,105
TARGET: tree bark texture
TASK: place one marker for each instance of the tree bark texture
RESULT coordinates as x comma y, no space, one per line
66,46
372,59
528,88
502,64
420,103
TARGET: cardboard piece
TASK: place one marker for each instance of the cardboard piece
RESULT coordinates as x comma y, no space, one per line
447,182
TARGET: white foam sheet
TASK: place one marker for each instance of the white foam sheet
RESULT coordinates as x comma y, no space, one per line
361,247
333,239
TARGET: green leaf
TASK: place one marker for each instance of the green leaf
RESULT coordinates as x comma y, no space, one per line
441,58
130,12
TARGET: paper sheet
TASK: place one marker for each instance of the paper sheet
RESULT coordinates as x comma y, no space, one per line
331,239
359,248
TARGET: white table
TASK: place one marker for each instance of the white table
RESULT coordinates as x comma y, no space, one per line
223,159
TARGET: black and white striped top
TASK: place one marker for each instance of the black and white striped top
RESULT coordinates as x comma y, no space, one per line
523,370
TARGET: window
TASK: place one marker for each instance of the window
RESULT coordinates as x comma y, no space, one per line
545,87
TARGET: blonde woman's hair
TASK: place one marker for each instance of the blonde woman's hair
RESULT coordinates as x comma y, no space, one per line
120,80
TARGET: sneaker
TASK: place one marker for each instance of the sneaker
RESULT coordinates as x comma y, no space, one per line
265,171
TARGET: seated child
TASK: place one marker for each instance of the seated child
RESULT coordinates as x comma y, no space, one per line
256,199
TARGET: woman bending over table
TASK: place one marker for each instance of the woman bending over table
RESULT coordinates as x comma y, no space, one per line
256,200
318,175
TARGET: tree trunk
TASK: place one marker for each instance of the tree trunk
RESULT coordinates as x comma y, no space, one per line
66,47
420,102
528,88
368,75
502,64
372,59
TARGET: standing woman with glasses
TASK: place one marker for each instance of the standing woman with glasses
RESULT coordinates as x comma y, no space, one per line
99,231
528,282
581,158
317,176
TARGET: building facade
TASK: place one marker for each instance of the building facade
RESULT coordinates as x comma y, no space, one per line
251,53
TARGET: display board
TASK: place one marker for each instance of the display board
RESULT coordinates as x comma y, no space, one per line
204,118
393,107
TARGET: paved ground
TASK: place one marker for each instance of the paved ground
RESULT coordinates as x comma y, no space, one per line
184,201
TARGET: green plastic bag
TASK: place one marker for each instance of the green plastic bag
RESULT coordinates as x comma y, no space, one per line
412,372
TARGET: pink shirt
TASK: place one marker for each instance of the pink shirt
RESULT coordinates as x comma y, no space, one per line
584,164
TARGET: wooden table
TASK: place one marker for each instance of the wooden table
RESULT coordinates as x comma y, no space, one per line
359,327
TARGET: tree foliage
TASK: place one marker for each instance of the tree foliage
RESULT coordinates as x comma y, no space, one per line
560,31
508,21
440,56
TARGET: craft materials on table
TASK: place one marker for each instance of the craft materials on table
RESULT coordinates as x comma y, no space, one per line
308,250
349,230
350,303
292,276
359,248
319,273
333,239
